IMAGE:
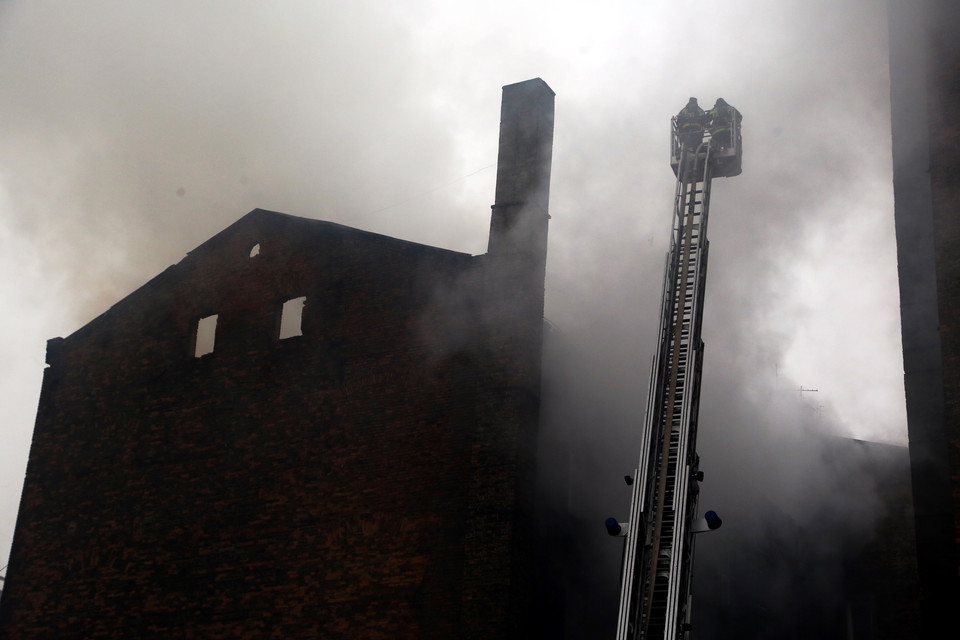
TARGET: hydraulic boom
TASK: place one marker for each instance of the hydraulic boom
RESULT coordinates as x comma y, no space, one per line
658,553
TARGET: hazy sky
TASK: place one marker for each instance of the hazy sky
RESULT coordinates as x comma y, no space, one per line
134,131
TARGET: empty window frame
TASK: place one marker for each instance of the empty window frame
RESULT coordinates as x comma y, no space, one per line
206,335
291,316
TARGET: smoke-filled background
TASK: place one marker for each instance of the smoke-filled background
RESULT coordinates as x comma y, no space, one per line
131,132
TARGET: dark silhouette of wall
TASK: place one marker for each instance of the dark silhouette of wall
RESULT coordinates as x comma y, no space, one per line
881,576
370,478
925,111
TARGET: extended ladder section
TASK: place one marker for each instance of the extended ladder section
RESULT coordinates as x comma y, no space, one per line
658,553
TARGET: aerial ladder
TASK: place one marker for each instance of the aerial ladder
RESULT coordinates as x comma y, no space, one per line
659,536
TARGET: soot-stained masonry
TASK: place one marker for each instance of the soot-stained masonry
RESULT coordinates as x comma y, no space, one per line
212,460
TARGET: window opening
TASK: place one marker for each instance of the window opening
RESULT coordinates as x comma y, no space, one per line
206,336
290,318
255,250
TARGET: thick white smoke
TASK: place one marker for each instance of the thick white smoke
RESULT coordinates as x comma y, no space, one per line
134,132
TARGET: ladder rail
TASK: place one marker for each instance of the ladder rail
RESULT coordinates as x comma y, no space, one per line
637,535
656,575
687,319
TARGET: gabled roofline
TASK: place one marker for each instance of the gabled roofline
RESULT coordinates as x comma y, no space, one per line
267,215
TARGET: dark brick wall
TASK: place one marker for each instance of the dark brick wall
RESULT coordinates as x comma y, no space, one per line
944,109
310,487
925,112
882,575
367,479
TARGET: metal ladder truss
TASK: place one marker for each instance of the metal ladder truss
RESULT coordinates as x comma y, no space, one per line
659,548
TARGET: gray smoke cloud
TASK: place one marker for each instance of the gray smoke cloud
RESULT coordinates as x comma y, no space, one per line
132,132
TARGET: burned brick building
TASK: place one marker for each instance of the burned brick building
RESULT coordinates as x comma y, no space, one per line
925,114
300,430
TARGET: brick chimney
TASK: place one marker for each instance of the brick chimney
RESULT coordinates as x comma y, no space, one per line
519,220
499,543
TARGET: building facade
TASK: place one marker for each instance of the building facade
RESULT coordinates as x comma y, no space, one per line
925,112
300,430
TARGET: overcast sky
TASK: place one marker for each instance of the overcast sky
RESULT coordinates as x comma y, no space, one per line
134,131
